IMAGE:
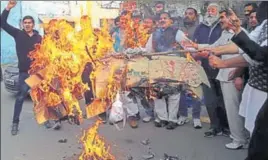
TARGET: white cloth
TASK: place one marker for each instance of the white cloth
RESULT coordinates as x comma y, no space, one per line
128,103
149,44
252,101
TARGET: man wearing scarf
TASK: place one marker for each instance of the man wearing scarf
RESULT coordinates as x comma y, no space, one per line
209,32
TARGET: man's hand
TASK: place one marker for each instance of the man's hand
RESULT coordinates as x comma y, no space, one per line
239,83
203,54
216,62
234,22
189,44
214,50
11,4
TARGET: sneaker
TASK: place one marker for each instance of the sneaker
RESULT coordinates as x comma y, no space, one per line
212,133
15,129
147,119
182,120
197,124
133,122
57,125
171,125
234,146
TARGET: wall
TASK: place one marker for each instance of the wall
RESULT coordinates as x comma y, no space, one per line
33,8
8,53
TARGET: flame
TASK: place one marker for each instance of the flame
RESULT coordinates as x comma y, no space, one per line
94,145
62,56
136,34
58,64
96,107
189,58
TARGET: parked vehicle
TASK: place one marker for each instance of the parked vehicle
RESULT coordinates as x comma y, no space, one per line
11,78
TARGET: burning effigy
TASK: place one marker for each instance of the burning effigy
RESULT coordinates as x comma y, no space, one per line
59,61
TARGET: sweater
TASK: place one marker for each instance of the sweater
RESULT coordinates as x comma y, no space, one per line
24,43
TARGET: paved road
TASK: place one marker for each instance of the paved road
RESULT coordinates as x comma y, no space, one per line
34,142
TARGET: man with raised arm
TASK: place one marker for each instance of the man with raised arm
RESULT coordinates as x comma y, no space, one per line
25,42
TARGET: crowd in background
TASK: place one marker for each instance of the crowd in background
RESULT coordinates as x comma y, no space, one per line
238,80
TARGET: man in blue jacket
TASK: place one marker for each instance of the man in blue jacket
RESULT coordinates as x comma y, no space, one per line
208,32
25,41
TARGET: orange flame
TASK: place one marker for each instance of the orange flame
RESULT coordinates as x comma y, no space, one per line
94,145
136,34
189,58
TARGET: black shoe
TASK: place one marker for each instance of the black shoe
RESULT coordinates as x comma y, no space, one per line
103,117
15,129
212,133
48,125
138,116
160,124
226,132
171,125
57,125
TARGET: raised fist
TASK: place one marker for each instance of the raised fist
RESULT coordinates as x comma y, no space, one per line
11,4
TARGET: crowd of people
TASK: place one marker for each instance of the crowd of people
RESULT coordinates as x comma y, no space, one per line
233,55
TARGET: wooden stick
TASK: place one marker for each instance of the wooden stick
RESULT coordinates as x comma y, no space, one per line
91,58
169,52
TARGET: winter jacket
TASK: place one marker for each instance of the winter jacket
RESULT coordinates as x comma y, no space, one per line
208,35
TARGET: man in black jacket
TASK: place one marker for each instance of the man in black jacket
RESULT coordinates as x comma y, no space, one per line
25,42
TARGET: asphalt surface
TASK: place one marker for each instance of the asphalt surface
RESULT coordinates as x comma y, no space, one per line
35,142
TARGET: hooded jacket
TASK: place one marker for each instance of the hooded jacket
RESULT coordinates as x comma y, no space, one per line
24,43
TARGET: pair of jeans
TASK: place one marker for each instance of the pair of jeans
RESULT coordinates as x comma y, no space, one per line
185,102
23,92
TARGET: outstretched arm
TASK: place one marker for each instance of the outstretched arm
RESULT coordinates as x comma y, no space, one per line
238,61
7,27
250,47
